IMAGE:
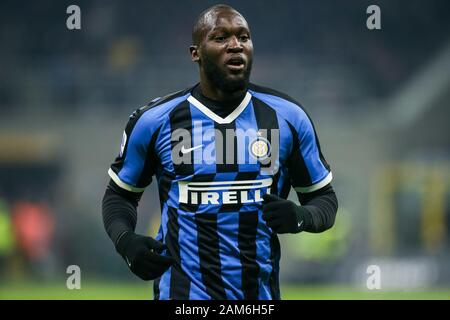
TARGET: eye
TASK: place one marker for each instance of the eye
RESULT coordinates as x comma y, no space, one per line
244,38
219,38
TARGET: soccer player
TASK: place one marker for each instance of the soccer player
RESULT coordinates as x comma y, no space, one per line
225,154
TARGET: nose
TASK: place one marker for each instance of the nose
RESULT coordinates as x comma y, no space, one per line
234,45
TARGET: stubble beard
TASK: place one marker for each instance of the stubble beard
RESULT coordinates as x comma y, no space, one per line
222,81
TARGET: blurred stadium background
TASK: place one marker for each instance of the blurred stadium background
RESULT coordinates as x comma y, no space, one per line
379,99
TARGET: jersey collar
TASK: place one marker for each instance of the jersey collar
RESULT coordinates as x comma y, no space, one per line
230,118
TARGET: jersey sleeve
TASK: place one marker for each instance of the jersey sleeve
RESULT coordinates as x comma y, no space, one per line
308,168
136,163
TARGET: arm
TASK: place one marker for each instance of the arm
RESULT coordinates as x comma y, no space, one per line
130,173
319,209
119,210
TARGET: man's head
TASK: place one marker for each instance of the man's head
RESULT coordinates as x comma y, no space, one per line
223,48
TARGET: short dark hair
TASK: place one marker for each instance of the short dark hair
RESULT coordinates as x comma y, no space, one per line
201,22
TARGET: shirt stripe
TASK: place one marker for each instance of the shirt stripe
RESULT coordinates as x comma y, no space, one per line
179,281
248,222
209,253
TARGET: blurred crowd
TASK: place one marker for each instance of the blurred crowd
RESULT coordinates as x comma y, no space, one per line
129,52
26,232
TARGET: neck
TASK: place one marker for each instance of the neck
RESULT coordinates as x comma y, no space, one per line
214,93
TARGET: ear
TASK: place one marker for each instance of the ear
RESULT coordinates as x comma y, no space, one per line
195,57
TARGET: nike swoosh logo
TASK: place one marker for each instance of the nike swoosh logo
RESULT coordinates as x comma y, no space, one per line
299,224
184,150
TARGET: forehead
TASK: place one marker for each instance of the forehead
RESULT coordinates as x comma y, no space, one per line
225,20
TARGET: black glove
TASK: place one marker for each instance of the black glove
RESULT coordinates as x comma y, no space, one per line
141,255
284,216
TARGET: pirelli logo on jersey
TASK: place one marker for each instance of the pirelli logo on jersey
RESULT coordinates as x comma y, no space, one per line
223,192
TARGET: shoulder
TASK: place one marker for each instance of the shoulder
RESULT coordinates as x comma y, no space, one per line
285,106
272,92
157,110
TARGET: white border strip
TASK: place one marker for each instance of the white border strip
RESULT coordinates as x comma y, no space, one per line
316,186
225,185
236,112
122,184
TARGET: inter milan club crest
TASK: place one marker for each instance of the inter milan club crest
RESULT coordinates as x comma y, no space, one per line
260,148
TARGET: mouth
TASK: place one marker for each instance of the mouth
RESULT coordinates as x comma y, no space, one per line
235,63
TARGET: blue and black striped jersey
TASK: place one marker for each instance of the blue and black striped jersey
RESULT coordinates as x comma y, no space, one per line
212,172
